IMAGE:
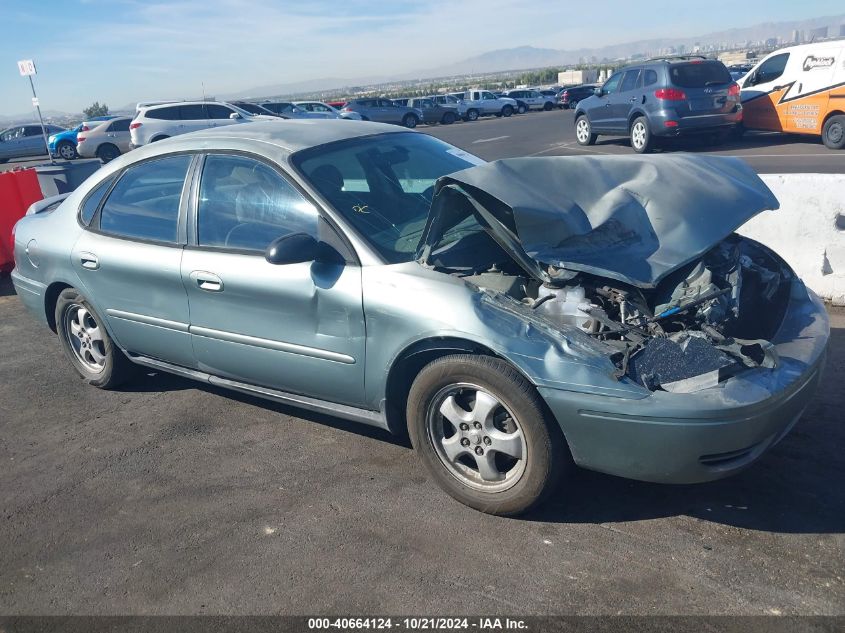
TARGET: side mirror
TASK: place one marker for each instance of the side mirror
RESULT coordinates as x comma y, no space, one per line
234,116
598,92
296,248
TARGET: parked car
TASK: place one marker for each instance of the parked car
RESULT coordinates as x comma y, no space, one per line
157,122
383,110
484,103
491,309
104,139
800,90
569,97
253,108
531,100
434,112
63,144
661,98
327,111
22,141
287,110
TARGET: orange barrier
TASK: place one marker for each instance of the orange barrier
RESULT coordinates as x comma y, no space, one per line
18,190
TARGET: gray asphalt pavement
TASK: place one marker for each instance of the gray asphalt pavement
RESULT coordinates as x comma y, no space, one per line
169,497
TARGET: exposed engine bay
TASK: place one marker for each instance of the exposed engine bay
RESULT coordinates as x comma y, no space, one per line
702,323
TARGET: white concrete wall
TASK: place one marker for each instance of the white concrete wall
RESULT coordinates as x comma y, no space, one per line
808,230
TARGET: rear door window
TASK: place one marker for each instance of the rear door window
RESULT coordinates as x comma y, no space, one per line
649,77
629,80
144,204
192,112
699,74
217,111
119,126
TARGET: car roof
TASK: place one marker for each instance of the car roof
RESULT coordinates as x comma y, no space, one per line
293,135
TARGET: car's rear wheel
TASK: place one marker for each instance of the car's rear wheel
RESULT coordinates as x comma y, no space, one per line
641,139
410,121
87,344
66,150
584,131
472,114
448,118
507,110
521,108
833,132
107,152
572,105
547,106
480,430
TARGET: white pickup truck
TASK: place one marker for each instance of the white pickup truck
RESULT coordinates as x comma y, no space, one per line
484,103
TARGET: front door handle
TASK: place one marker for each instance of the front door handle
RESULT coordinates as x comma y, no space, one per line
89,261
207,281
632,99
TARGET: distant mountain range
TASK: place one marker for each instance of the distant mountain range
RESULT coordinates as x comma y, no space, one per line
519,58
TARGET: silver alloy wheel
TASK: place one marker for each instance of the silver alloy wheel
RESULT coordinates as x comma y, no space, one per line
477,439
582,130
85,337
638,133
66,151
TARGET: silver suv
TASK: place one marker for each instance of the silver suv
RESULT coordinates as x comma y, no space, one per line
383,110
159,121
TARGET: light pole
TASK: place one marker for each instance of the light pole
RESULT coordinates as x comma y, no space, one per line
27,69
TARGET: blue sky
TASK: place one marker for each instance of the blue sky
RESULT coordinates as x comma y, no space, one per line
122,51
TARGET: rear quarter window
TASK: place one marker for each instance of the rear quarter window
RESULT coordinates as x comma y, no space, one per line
166,114
699,75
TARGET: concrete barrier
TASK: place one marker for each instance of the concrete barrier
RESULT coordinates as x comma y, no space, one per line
808,230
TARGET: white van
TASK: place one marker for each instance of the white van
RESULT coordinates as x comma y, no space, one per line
799,89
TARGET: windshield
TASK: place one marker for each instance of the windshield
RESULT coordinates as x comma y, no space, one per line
251,108
382,185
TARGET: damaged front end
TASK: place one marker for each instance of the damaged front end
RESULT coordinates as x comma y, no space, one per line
652,273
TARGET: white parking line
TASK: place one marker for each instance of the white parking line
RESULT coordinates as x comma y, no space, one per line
490,140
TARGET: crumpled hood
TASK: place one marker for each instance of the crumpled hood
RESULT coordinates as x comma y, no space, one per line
630,218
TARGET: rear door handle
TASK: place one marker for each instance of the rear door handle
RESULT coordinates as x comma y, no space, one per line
207,281
89,261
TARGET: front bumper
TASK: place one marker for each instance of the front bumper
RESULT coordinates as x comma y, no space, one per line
710,434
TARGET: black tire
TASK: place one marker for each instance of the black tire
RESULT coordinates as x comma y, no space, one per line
572,105
66,150
448,118
547,106
507,110
586,137
521,108
410,121
159,138
472,114
833,132
107,152
642,141
545,453
116,368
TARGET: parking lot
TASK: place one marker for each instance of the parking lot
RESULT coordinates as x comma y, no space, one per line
171,497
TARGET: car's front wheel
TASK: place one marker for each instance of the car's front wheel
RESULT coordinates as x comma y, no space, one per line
480,430
584,131
472,114
507,111
547,106
410,121
448,118
521,108
66,150
87,344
